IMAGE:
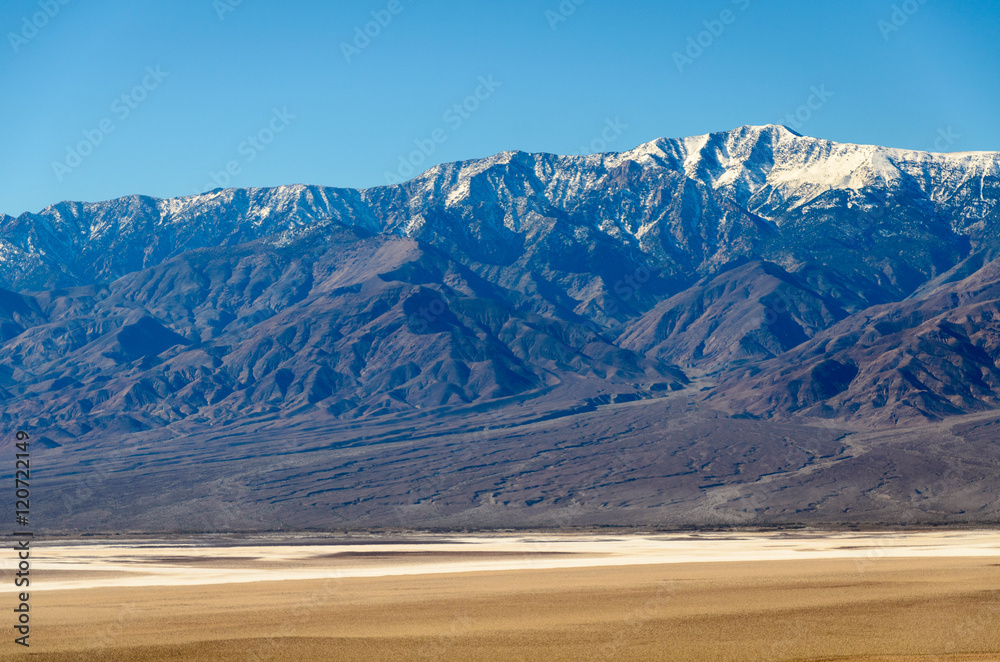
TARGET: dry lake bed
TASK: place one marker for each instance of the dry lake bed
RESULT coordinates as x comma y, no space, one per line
802,595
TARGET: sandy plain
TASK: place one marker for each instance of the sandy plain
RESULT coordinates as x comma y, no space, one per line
760,596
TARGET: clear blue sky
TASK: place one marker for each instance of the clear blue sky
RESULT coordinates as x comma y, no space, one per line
560,83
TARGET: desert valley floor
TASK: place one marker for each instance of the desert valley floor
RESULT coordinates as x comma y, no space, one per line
796,595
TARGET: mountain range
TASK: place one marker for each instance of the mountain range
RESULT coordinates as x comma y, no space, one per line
745,327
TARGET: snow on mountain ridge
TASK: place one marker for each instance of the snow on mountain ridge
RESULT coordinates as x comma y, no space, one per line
802,167
666,194
798,160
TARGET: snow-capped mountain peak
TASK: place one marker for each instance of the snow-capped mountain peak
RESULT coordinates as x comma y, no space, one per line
661,197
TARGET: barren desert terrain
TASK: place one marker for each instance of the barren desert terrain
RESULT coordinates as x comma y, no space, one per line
754,596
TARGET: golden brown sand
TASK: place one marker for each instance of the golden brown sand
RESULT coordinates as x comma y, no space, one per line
872,606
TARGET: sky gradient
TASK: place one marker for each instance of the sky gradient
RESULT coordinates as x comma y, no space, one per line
109,98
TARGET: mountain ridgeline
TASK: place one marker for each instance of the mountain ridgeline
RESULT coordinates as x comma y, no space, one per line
809,276
762,274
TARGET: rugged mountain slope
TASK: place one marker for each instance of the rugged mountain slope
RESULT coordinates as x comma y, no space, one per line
933,355
748,313
349,326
